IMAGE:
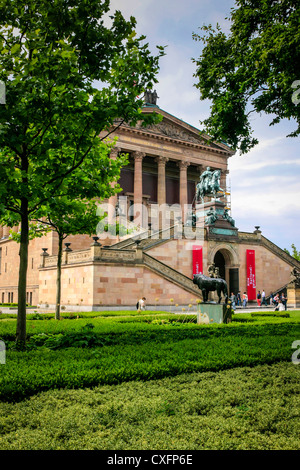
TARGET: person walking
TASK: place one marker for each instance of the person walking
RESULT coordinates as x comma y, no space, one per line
245,299
263,298
258,297
238,299
141,303
233,300
284,300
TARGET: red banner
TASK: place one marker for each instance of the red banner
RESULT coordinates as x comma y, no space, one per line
251,282
197,260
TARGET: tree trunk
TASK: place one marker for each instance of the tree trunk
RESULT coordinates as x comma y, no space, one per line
58,278
23,253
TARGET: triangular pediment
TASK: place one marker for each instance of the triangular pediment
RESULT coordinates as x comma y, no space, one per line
174,131
174,128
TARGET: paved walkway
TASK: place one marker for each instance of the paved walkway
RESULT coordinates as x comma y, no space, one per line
248,309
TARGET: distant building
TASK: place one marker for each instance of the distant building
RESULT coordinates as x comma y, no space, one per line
165,164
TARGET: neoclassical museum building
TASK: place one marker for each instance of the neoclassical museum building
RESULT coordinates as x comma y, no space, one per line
174,233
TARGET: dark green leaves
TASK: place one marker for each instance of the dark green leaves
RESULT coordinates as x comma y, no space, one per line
250,70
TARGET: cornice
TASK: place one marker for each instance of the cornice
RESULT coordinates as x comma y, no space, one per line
142,132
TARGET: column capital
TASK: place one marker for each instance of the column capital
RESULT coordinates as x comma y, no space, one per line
114,152
182,164
162,160
138,155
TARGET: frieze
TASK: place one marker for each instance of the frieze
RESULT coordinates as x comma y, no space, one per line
118,255
79,256
175,132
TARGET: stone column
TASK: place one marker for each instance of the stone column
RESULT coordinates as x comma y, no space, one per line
161,179
6,230
183,194
138,177
112,201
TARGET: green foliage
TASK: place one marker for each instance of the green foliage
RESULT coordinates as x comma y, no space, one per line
55,124
252,69
246,408
271,314
295,252
110,351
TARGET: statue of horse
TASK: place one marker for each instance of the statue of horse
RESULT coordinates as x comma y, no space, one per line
209,185
208,284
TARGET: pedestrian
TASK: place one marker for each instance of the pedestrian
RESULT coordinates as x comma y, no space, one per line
232,298
238,299
276,299
141,303
245,299
258,297
263,298
284,300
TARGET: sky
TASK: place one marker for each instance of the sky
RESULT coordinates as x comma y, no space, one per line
264,183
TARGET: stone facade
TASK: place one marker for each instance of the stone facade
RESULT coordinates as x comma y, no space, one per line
165,162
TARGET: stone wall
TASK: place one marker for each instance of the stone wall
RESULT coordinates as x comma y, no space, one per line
95,276
99,284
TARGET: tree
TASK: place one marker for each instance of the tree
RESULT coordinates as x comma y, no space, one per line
69,217
52,54
295,254
255,68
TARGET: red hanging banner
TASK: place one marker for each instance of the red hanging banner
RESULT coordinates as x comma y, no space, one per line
197,260
251,281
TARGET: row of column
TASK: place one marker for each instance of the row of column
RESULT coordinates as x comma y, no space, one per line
161,179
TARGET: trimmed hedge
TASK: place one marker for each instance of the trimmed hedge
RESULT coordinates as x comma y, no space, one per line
141,352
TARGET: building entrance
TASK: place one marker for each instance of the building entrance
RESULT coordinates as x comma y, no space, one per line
223,261
219,261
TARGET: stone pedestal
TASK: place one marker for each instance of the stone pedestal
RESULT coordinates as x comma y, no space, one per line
213,313
213,216
293,295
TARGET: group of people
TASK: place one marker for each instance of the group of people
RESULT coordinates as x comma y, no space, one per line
238,299
279,301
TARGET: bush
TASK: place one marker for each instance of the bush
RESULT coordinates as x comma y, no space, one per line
90,356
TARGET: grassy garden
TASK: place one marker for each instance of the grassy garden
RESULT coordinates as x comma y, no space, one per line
151,380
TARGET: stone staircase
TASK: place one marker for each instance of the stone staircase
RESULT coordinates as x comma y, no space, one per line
171,275
147,240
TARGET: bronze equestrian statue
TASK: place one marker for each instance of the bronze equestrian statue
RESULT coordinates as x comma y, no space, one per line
209,185
208,284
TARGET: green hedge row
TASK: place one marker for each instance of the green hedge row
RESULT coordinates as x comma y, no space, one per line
143,355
